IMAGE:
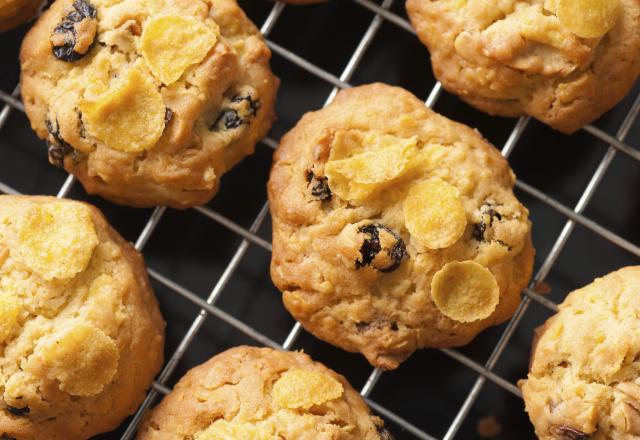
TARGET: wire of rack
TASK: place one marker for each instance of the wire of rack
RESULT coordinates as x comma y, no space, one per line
574,216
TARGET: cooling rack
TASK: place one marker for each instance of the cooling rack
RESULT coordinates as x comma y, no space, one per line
209,265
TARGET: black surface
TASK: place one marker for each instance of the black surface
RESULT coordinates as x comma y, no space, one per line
192,250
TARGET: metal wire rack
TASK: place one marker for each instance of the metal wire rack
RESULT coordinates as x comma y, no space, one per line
380,15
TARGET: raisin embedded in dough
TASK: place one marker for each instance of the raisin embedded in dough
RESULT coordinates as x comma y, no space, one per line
76,33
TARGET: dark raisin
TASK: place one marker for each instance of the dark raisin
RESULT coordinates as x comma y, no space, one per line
18,411
384,433
319,186
567,433
254,106
362,325
487,216
67,44
228,119
394,326
478,230
168,116
6,436
57,147
373,245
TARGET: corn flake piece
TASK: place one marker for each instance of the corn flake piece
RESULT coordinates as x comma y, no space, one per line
354,173
304,389
81,358
10,308
588,18
171,44
433,213
128,117
224,430
465,291
56,240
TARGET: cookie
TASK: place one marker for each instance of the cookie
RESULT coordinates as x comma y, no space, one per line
148,102
260,393
394,228
564,62
15,12
584,378
81,335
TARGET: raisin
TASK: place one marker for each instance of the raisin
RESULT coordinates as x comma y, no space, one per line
57,147
384,433
567,433
236,112
394,326
480,228
230,119
373,245
6,436
362,325
67,44
18,411
319,186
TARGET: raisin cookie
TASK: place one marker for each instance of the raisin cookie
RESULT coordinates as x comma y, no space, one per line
81,336
564,62
260,393
584,380
15,12
148,102
394,228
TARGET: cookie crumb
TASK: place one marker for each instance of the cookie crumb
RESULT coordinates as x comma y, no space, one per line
489,427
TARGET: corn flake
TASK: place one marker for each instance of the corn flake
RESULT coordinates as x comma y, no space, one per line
56,240
433,213
10,309
360,162
171,44
588,18
81,358
465,291
129,116
304,389
224,430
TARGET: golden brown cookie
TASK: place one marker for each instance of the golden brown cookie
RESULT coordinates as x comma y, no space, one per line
584,380
81,335
262,394
564,62
394,228
148,102
15,12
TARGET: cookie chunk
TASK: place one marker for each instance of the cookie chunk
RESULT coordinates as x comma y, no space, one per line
584,379
81,335
564,62
260,393
394,228
15,12
148,102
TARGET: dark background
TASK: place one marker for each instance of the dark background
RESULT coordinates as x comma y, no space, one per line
192,250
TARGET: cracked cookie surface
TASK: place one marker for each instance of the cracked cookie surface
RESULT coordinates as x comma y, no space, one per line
81,336
15,12
373,196
584,378
262,394
564,62
148,102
